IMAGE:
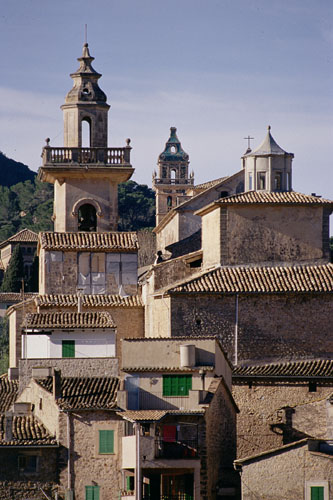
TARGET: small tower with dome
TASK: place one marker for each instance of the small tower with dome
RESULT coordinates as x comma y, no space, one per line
268,168
172,181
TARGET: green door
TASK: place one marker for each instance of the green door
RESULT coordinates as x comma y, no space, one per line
317,492
68,348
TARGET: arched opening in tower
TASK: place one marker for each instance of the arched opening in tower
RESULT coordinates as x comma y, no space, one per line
87,219
86,133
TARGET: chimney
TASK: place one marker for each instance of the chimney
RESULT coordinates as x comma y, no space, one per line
8,426
56,387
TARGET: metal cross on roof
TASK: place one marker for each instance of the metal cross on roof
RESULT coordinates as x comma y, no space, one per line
248,138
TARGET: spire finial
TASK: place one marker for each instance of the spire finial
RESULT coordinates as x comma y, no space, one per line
269,128
85,34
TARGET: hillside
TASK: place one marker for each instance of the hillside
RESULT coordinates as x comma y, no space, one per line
12,172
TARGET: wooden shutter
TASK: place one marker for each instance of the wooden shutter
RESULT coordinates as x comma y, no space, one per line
176,385
68,348
106,441
317,492
166,385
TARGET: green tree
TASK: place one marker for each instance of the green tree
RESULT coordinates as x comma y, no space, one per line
12,280
4,345
136,204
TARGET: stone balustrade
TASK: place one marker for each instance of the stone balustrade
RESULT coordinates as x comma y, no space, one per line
107,156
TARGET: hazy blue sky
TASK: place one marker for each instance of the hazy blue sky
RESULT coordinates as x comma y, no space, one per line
218,70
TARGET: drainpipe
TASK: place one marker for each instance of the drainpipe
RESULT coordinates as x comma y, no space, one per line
137,463
69,476
236,330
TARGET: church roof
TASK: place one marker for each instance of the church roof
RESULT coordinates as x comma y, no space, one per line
25,235
101,319
26,431
97,300
173,150
113,241
268,147
83,393
279,279
303,368
209,184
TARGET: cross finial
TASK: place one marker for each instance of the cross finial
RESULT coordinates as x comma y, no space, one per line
248,138
85,33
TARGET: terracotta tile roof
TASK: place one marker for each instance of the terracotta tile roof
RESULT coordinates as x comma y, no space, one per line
15,297
83,393
22,236
108,242
100,319
155,415
305,368
167,368
278,279
26,431
209,184
89,301
290,197
8,392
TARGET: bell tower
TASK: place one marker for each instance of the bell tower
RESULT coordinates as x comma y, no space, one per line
173,179
85,178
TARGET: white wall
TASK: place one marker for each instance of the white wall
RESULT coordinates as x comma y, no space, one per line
87,344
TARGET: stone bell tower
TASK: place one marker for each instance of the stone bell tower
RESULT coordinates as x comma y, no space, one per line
85,178
173,180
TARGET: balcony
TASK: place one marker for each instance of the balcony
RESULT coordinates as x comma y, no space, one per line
179,449
140,399
173,181
86,156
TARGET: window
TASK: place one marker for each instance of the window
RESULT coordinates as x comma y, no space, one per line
278,181
316,490
68,348
92,492
250,182
123,266
27,463
261,180
106,442
87,220
169,202
91,275
177,385
130,483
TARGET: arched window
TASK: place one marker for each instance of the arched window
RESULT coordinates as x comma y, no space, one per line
173,175
87,220
169,202
86,133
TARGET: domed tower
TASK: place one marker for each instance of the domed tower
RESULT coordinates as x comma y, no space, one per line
268,168
173,180
85,178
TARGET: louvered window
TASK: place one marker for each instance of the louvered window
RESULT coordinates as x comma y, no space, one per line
92,492
177,385
106,442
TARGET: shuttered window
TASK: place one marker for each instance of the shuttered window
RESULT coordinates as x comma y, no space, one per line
92,492
177,385
106,442
317,492
68,348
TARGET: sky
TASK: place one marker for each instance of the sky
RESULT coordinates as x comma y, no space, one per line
218,70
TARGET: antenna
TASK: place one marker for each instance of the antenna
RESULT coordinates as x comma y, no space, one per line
85,33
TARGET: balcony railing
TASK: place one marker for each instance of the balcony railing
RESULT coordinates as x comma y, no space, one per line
85,156
144,400
173,181
176,449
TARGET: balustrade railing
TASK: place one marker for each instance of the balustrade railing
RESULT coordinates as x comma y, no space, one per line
108,156
173,181
185,448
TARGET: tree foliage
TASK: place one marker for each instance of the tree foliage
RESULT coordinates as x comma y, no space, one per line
136,204
4,344
12,280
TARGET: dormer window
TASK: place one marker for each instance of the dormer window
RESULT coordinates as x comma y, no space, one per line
261,181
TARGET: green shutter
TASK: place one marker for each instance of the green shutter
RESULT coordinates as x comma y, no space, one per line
176,385
317,492
68,348
106,441
92,492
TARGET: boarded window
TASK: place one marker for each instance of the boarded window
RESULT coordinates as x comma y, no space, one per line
106,442
91,275
92,492
177,385
123,266
68,348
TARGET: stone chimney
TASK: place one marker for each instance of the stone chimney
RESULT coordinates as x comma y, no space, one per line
8,426
56,387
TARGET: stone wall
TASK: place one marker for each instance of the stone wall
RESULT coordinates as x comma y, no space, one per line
23,490
270,327
263,425
285,476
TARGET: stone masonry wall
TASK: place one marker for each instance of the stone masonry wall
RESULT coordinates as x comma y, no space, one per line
270,326
287,473
261,423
